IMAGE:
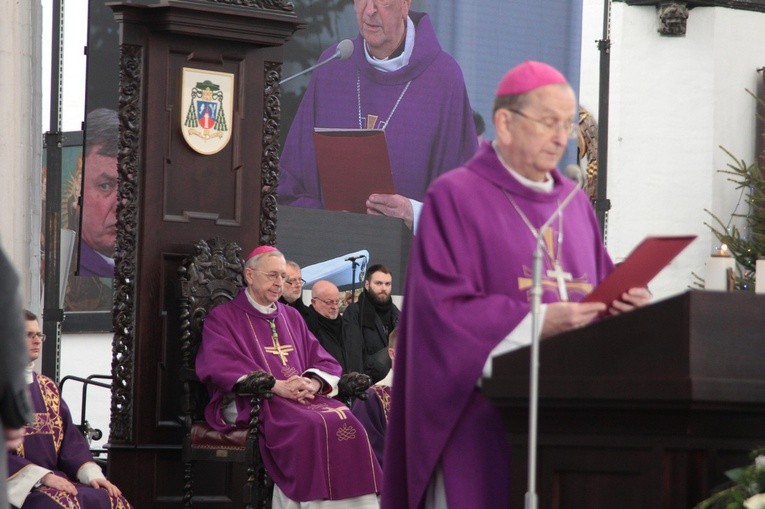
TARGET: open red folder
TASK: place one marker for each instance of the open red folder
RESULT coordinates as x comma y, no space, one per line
352,164
640,267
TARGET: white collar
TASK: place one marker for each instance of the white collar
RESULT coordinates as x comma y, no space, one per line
545,187
388,380
394,64
260,307
107,259
28,372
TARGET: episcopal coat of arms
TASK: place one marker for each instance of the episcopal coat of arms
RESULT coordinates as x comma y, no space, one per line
206,110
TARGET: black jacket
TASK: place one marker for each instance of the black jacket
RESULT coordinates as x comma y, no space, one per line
363,328
348,355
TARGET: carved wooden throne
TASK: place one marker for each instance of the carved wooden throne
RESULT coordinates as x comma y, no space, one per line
213,276
210,277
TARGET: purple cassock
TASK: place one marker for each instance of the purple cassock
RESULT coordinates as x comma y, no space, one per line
373,414
467,287
430,127
52,441
93,264
312,452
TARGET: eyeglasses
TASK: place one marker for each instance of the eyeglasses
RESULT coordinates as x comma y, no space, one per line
273,276
335,302
295,281
551,125
38,335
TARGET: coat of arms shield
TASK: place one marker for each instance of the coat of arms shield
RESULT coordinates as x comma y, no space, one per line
206,109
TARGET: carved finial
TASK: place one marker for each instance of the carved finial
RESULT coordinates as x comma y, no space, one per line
282,5
673,17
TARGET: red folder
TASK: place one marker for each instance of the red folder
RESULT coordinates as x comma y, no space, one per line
640,267
352,164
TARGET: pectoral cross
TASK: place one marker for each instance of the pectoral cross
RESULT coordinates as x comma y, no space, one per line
281,351
277,349
561,277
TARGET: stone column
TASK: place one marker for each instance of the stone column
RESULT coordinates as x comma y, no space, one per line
21,140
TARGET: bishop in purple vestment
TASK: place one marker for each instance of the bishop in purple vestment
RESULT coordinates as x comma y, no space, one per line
313,447
53,467
468,296
398,79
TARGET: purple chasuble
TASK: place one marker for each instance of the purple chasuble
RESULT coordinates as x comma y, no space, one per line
430,132
93,264
312,452
52,441
467,287
373,414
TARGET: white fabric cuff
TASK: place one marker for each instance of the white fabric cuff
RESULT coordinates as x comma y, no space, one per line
23,482
416,210
89,471
517,338
331,380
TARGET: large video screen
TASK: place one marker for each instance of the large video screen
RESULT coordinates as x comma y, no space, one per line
431,106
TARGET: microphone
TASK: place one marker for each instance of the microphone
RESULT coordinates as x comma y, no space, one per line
354,258
536,328
575,173
343,51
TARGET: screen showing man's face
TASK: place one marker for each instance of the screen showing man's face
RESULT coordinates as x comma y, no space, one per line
99,194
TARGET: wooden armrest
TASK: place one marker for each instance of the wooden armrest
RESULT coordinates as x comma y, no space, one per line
353,385
257,384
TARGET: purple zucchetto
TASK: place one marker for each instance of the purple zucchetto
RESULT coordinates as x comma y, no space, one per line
529,76
260,250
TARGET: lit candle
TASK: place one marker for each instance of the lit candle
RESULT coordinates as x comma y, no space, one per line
759,277
717,268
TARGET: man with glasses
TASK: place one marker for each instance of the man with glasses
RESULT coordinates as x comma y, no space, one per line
468,295
314,449
397,79
326,324
293,289
54,464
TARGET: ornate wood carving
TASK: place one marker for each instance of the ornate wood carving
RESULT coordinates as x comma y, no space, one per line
126,253
234,37
281,5
269,168
744,5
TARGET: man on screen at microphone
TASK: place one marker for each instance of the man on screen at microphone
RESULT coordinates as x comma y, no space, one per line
468,295
398,79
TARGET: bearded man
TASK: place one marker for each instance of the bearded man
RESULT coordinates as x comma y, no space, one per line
367,322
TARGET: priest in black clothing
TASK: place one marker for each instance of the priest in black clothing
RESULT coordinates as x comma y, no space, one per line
292,290
325,323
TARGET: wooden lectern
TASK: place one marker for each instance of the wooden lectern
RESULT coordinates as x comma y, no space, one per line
647,409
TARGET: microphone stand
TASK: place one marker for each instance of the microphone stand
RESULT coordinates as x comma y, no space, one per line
536,329
344,50
354,264
602,203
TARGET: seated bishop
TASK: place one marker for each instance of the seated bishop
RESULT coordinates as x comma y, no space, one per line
53,467
314,449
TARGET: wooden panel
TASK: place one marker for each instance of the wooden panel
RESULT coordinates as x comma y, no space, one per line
184,169
645,410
